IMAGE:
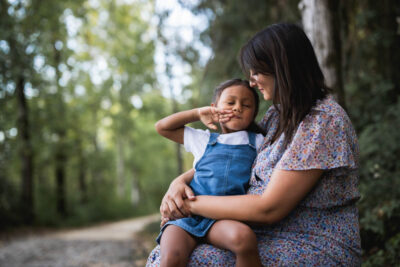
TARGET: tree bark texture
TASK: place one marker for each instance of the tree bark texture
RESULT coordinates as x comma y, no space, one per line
26,154
25,148
321,23
82,172
174,110
60,155
120,167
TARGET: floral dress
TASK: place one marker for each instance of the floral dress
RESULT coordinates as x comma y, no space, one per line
323,229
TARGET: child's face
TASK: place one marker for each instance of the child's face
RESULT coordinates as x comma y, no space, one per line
241,101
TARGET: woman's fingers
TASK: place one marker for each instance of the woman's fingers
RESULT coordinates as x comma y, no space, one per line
164,210
180,204
179,200
163,221
189,193
174,201
173,205
168,208
174,211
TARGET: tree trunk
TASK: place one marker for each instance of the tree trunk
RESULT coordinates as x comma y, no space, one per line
177,145
120,167
82,173
135,192
95,174
60,155
26,151
26,154
60,183
174,110
321,23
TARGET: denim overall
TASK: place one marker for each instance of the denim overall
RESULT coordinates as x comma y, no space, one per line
222,170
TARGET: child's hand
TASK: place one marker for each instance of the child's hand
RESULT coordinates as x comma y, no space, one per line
210,116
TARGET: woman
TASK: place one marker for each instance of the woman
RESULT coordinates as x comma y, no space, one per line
303,187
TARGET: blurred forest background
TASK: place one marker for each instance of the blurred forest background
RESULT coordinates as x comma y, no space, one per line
82,83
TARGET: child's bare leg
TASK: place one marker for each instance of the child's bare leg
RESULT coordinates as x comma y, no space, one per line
176,245
238,238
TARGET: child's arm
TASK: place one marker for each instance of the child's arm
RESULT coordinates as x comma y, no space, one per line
172,127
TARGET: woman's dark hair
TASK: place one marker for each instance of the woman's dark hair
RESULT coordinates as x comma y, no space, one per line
253,126
284,51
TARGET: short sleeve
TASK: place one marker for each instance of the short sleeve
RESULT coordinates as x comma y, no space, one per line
195,141
322,141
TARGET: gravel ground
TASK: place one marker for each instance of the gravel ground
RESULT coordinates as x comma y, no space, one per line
120,244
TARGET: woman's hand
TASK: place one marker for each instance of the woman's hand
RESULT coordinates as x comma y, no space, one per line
210,116
172,205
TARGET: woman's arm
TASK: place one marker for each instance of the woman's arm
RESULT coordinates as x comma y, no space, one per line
284,191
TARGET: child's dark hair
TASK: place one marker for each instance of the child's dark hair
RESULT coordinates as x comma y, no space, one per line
253,126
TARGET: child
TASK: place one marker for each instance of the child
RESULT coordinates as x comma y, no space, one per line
223,166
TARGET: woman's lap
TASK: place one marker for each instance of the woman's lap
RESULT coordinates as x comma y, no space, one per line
273,252
203,255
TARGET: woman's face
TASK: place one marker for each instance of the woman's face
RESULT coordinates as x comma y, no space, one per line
264,83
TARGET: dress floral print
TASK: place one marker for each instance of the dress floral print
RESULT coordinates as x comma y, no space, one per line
323,229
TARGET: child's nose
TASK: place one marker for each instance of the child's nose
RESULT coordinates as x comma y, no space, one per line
237,108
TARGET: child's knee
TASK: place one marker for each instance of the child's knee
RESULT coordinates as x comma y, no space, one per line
173,257
243,239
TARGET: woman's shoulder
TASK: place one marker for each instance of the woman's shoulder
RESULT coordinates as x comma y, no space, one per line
325,139
328,109
328,106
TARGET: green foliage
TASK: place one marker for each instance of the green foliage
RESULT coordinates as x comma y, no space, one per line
387,256
84,62
380,202
373,90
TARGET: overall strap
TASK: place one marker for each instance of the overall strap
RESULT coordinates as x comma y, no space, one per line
213,138
252,139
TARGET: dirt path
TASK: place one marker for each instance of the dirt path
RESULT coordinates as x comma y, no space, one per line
113,244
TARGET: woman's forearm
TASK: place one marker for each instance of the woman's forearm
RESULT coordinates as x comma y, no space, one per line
283,193
249,208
